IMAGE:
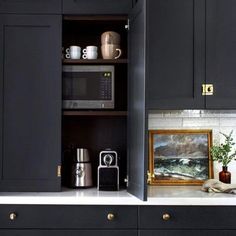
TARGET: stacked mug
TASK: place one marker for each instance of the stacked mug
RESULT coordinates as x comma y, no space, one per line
73,52
110,48
90,52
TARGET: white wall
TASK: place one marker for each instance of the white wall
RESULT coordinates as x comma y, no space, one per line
218,121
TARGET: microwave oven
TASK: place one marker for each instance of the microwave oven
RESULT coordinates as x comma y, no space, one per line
88,87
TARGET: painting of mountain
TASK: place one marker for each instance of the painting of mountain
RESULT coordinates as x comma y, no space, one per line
181,156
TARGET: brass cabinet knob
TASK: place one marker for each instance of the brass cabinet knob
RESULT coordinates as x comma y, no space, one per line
166,216
12,216
110,216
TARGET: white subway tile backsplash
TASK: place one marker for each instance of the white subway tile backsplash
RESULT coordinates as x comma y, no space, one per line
155,115
165,123
228,122
201,122
228,113
182,113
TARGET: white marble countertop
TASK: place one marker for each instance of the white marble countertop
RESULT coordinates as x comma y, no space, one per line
158,195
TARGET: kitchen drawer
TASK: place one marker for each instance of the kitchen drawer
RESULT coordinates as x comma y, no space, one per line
30,6
11,232
72,217
96,6
186,217
194,232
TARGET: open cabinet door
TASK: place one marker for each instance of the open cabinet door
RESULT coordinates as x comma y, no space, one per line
137,117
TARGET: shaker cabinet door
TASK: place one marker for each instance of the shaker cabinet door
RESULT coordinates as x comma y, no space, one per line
193,232
221,53
175,48
30,102
68,232
137,118
30,6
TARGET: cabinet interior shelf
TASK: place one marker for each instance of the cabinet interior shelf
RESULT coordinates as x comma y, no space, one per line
95,113
95,61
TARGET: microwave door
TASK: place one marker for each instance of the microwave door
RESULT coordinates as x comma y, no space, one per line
67,85
86,87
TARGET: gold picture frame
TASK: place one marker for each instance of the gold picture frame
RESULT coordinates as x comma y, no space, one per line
180,157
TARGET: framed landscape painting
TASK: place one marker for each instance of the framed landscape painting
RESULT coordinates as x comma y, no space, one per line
180,157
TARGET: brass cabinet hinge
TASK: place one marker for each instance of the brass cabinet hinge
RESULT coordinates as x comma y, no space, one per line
149,177
58,171
207,89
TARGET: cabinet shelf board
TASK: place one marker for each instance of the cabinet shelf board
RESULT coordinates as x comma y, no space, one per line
95,113
95,61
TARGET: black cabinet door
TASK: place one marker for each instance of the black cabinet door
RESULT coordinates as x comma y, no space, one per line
193,232
221,53
68,232
187,217
30,102
137,118
68,217
30,6
175,54
96,7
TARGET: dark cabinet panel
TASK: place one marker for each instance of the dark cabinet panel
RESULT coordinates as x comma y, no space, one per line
96,7
186,217
170,54
1,92
190,43
31,102
194,232
137,119
30,6
221,52
68,217
68,232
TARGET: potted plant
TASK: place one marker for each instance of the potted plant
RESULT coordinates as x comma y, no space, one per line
224,154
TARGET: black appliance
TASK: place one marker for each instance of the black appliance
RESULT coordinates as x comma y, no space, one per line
108,171
88,87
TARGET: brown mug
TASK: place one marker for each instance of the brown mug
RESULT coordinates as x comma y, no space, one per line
111,51
110,37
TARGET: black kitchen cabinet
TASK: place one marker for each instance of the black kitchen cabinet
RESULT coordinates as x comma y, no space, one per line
104,7
171,51
130,139
30,81
62,220
127,220
221,53
191,44
186,220
187,217
137,115
193,232
68,217
31,6
68,232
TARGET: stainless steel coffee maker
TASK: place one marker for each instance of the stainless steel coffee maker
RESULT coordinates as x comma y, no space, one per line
81,169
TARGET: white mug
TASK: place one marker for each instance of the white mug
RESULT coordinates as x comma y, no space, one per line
75,52
90,52
90,49
90,55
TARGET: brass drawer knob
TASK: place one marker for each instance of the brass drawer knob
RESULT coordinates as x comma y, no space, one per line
12,216
166,216
110,216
